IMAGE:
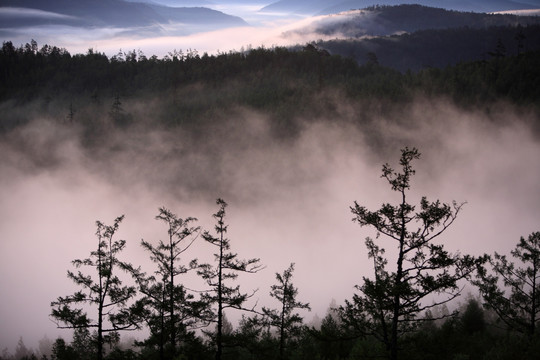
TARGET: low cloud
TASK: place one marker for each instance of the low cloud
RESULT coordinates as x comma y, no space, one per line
159,39
288,199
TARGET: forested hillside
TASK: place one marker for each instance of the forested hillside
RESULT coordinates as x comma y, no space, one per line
282,82
414,37
335,6
393,20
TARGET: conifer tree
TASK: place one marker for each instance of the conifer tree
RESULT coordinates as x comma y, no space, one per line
513,291
170,310
104,293
227,267
389,304
285,319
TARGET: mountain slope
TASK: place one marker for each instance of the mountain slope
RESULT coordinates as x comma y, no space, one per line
410,37
318,7
388,20
459,5
116,13
437,48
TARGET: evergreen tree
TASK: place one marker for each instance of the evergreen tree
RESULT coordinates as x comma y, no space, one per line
227,268
285,319
105,293
389,304
170,310
517,301
63,351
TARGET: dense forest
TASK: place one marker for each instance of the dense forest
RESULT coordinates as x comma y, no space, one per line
284,83
388,316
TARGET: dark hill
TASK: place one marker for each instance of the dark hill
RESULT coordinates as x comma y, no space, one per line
308,7
438,48
389,20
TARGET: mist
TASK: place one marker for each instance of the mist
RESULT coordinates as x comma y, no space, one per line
266,30
288,197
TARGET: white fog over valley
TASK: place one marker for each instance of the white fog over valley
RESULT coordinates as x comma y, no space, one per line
288,201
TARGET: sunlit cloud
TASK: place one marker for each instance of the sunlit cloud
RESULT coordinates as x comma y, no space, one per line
526,12
159,39
110,40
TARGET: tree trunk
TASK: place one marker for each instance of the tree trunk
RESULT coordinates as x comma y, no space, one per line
171,299
220,302
397,284
282,331
533,307
162,332
100,335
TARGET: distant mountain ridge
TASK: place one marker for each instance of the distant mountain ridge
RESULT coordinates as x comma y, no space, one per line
113,13
389,20
325,7
411,37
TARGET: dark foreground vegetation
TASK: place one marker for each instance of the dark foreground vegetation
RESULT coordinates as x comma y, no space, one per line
401,312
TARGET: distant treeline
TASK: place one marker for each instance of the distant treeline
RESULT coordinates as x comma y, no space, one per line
282,82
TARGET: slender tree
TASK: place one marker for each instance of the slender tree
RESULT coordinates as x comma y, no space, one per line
513,291
285,319
388,305
227,267
104,293
170,310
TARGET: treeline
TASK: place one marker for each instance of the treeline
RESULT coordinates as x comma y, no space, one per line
282,82
401,312
473,334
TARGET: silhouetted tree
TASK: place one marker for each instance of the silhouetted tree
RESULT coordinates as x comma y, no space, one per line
227,268
63,351
105,294
517,300
333,340
472,319
170,309
84,343
388,305
285,319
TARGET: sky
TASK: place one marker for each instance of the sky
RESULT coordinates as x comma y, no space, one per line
263,29
288,200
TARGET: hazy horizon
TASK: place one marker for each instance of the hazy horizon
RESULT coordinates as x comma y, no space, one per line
266,29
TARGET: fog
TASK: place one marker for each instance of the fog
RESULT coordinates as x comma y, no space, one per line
288,198
264,29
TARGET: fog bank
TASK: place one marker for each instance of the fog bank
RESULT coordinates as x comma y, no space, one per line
288,198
